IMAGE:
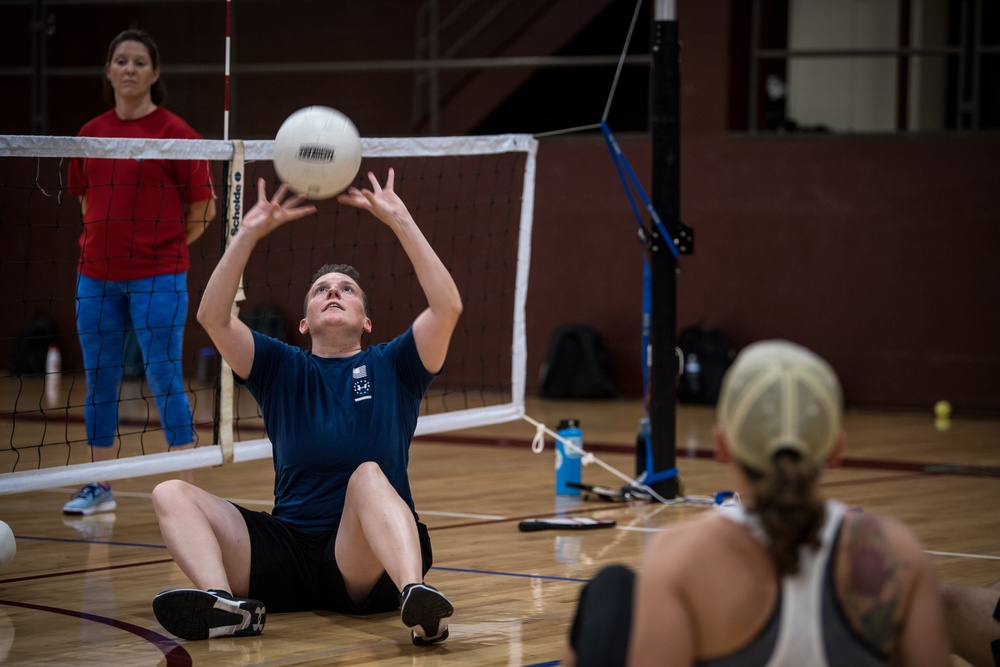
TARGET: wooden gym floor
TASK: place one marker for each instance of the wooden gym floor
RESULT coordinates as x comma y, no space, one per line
79,589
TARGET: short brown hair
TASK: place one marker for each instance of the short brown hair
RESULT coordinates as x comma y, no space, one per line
348,271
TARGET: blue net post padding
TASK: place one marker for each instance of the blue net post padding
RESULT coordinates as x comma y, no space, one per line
627,176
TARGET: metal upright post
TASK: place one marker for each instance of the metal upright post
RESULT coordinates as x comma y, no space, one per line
663,264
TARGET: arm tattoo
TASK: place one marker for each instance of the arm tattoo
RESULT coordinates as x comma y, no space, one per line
874,589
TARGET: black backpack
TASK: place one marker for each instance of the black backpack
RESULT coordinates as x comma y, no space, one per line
576,365
32,344
707,356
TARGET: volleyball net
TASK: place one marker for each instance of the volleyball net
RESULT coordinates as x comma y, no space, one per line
472,197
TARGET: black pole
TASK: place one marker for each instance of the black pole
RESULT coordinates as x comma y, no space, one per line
666,200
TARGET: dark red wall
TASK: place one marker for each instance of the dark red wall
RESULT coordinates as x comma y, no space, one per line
881,252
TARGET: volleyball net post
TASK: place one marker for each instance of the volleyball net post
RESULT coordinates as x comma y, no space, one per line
663,253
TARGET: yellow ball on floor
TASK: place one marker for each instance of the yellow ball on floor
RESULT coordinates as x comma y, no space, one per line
942,410
8,545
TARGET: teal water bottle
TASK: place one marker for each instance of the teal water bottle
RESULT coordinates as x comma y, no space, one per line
568,461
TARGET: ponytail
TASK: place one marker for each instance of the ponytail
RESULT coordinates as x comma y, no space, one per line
789,512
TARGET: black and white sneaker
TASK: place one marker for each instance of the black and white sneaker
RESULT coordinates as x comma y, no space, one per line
193,614
422,609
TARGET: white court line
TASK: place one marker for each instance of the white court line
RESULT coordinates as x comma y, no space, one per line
949,553
462,515
933,553
641,529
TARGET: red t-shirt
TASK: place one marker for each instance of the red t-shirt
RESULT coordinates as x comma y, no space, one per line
134,225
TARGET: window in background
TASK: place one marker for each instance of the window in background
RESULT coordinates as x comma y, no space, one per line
864,65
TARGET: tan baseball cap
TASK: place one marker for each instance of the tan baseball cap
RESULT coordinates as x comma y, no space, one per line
778,395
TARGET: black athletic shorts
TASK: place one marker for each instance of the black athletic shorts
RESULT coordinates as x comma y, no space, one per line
294,570
603,620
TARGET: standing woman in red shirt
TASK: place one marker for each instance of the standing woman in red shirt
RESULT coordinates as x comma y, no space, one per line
139,215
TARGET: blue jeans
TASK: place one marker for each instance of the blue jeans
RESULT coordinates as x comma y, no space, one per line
156,309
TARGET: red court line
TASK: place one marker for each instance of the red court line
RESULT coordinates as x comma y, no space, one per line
881,479
614,448
176,655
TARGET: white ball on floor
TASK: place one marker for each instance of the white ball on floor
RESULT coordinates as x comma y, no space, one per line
8,545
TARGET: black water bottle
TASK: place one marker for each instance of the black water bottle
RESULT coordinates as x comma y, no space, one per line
641,438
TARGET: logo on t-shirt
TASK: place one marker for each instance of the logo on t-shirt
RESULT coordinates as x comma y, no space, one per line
362,385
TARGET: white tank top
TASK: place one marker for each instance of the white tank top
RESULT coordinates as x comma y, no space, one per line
811,629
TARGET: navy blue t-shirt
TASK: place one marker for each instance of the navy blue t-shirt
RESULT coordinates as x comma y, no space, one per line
325,417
